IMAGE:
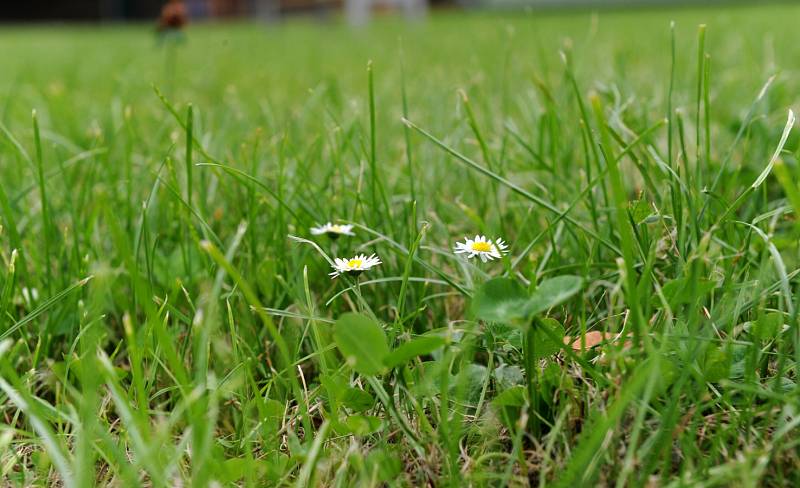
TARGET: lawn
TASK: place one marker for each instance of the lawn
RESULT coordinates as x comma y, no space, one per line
167,311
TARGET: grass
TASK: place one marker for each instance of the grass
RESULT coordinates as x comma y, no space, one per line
167,318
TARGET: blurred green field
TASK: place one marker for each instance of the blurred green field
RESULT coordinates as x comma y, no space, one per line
167,317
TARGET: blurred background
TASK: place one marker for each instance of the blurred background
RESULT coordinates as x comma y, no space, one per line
355,10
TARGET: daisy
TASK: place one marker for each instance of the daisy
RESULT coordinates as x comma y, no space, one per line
482,247
333,230
354,266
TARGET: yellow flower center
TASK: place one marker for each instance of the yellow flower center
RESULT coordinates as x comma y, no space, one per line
481,246
336,228
354,263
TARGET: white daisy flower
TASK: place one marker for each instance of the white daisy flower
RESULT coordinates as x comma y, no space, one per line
354,266
333,230
482,247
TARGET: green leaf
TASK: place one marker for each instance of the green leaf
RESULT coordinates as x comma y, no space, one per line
640,210
717,364
543,345
512,397
272,414
235,469
500,300
740,358
276,464
413,348
508,376
505,336
768,326
334,383
363,424
679,292
471,378
425,378
386,465
508,405
357,400
362,342
552,292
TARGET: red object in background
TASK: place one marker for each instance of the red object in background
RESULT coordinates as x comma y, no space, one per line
174,15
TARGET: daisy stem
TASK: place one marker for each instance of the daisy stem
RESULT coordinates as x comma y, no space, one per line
362,305
358,293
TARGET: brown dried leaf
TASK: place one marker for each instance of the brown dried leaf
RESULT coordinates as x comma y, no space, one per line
593,338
